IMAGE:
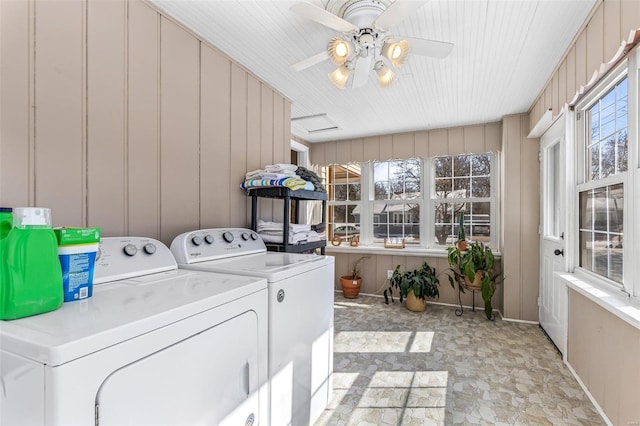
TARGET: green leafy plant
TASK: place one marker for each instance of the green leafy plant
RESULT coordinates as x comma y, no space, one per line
355,269
477,259
423,282
461,234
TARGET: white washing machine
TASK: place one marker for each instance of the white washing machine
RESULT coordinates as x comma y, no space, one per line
300,314
155,345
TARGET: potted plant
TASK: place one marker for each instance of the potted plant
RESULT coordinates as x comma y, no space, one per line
472,269
415,286
351,283
461,244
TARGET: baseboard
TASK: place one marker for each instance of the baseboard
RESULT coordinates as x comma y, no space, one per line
586,390
520,321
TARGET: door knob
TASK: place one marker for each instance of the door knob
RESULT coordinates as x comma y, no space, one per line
558,252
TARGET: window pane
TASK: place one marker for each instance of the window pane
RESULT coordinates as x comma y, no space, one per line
606,145
340,192
481,187
461,188
442,166
601,231
380,171
381,191
443,187
480,165
396,221
354,192
461,165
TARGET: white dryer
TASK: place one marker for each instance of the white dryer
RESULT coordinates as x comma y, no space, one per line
154,345
301,293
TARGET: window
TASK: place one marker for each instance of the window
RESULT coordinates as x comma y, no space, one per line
344,191
605,153
396,199
462,186
395,211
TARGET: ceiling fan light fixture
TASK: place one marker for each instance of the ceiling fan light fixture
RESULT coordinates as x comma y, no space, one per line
340,76
339,50
396,52
386,76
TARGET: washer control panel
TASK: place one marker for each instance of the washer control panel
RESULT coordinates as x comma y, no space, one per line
127,257
215,243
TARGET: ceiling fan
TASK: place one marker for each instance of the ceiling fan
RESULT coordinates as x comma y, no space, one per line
365,44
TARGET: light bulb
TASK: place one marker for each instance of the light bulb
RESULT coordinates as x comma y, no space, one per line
385,75
396,52
339,50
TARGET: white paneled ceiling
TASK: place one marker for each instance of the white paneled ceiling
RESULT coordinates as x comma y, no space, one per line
505,50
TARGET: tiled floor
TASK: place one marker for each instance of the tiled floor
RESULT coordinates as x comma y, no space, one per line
396,367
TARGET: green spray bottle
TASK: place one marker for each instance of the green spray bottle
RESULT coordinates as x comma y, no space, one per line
6,223
31,274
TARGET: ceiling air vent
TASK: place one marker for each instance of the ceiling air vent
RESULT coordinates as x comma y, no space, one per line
314,123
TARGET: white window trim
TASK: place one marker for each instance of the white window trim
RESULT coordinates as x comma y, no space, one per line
629,179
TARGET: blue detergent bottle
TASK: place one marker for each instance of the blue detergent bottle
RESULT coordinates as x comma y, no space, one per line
31,273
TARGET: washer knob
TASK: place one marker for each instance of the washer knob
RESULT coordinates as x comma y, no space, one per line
228,236
196,240
245,236
209,239
254,236
130,250
149,248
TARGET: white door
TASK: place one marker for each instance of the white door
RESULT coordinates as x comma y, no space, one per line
552,300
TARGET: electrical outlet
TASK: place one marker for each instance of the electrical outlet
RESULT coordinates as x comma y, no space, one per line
389,273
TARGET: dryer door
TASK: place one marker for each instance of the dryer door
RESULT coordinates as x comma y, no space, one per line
208,378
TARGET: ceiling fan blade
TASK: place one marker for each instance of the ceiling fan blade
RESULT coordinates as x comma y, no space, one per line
306,63
361,71
396,13
432,48
321,16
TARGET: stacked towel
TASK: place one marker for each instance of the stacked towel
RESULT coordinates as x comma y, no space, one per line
276,175
292,183
280,168
272,232
312,177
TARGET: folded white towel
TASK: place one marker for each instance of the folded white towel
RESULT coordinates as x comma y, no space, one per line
279,227
283,175
255,174
280,167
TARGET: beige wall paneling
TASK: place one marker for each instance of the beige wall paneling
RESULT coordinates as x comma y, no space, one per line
456,141
316,154
530,218
534,113
511,219
331,153
238,142
493,137
377,267
578,334
266,206
143,110
60,163
627,376
548,96
215,139
403,145
343,152
630,17
342,268
106,117
555,102
278,149
421,142
287,128
562,87
371,148
357,150
438,144
254,162
16,120
595,40
611,28
582,75
179,131
572,85
473,137
386,147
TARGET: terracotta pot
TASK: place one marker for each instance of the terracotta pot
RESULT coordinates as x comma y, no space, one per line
350,287
477,281
414,304
461,245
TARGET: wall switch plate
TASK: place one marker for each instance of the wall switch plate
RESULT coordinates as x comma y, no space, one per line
389,273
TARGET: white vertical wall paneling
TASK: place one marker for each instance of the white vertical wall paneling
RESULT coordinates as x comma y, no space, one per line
16,126
179,131
215,117
143,124
60,166
238,145
106,144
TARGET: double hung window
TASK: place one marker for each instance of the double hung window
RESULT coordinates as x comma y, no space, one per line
417,200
